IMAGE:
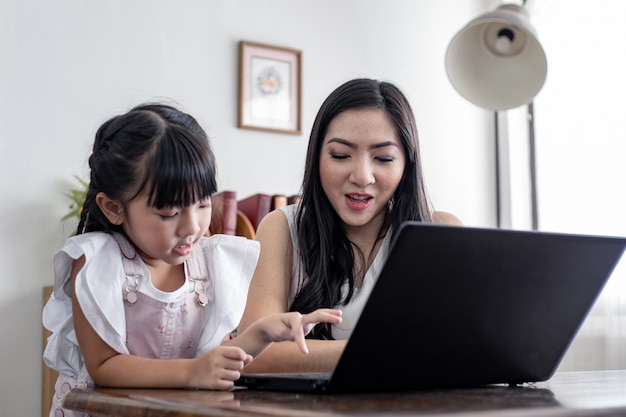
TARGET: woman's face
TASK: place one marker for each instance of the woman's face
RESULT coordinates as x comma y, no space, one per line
361,164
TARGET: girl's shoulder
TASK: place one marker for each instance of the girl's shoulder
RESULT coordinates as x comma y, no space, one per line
90,238
89,245
226,256
220,241
101,254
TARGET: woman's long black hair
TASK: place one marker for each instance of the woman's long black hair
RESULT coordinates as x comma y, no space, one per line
153,148
326,253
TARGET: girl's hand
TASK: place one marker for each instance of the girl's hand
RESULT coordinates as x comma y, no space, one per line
294,326
219,368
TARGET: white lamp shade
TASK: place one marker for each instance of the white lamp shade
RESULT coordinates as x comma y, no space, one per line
496,61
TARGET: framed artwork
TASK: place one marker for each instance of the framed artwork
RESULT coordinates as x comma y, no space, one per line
269,88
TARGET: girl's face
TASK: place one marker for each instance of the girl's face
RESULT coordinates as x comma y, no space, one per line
361,164
167,234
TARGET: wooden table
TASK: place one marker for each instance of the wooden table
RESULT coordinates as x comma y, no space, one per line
597,393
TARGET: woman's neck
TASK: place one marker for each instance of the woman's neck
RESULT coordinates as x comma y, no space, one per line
366,241
365,237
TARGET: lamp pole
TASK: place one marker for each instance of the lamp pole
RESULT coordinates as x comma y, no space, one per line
498,180
532,166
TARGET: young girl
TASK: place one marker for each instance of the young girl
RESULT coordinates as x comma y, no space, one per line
142,298
362,179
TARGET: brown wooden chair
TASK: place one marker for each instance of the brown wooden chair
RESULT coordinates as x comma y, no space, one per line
244,226
48,375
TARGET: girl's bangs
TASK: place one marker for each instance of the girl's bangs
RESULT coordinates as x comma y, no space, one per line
184,172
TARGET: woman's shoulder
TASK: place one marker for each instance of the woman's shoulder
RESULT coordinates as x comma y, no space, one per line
279,217
288,212
445,218
278,226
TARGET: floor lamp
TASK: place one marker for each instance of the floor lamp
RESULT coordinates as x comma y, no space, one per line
497,63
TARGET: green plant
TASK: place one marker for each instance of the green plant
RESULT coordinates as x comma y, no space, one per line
77,198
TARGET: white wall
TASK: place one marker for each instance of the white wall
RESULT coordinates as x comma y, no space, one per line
66,66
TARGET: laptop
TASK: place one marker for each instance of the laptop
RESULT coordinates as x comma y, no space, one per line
463,307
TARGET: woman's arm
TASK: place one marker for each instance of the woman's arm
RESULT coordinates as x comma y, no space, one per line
216,369
286,357
269,294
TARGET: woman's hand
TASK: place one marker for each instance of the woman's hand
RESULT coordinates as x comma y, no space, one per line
295,326
281,327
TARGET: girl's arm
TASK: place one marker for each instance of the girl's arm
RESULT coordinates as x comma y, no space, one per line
216,369
268,295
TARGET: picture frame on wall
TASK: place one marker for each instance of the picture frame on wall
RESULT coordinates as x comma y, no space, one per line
270,85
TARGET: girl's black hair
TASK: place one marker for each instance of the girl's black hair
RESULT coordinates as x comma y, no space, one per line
153,148
326,253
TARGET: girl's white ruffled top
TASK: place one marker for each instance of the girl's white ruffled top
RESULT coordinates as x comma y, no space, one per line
184,323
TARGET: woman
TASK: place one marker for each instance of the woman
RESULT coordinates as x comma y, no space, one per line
362,179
